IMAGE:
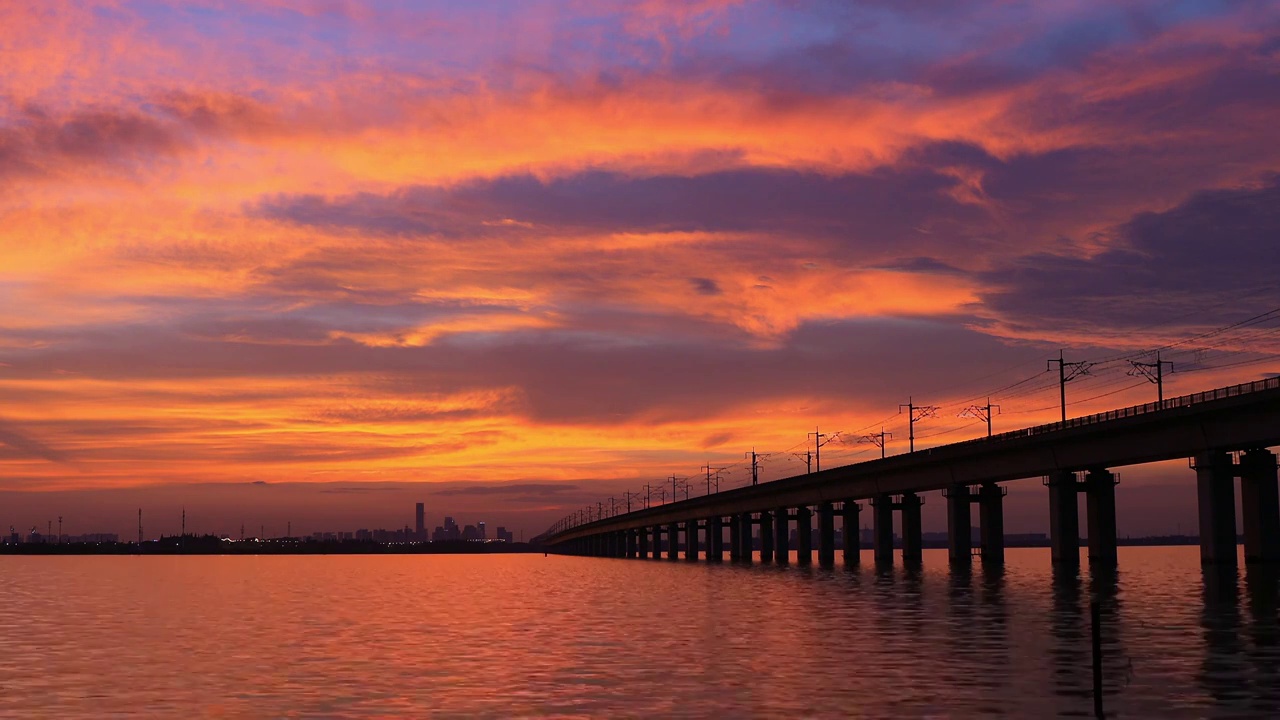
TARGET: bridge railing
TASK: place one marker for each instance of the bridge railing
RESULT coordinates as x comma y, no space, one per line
1170,403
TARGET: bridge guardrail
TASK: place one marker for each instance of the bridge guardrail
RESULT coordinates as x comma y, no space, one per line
1083,421
1134,410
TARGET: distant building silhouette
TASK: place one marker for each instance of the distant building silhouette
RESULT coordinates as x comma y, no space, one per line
420,529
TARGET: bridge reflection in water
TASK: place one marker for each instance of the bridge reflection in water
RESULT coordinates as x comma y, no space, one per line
1224,432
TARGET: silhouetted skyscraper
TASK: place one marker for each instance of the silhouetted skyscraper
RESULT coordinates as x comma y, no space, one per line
420,529
480,527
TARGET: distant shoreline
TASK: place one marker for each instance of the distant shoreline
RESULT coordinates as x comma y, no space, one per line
210,545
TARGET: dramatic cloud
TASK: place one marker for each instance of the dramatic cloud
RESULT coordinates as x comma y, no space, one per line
535,253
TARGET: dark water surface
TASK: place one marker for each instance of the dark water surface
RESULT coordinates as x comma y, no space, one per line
526,635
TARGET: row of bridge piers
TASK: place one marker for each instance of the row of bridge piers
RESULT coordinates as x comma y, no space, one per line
769,531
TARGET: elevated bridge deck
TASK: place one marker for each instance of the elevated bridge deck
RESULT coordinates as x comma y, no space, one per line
1236,418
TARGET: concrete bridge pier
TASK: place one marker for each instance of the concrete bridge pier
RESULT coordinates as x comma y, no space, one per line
882,529
850,534
766,537
991,523
747,545
1215,488
804,536
616,544
735,539
691,540
782,536
1064,519
1260,504
642,541
715,539
629,548
959,526
826,535
673,539
912,530
1100,504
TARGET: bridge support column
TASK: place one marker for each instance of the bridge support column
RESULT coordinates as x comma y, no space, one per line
782,534
912,531
1215,486
1260,504
850,534
1100,504
691,540
657,542
642,542
619,544
735,540
629,543
673,541
766,537
1064,519
991,523
826,535
715,539
959,527
747,546
804,536
882,529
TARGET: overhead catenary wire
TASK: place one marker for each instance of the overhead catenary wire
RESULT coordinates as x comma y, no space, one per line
1203,351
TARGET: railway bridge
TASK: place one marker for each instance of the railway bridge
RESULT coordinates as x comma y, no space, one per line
1225,433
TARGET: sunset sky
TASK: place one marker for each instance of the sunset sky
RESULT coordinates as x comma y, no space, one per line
310,262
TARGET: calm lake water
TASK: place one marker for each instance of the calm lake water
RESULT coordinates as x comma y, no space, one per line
527,635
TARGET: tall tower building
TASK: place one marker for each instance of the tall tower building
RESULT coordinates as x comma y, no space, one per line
481,529
419,514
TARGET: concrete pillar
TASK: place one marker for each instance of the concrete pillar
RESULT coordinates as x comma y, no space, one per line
673,538
912,531
826,535
643,543
782,534
991,523
746,546
657,542
691,540
715,539
804,536
735,540
766,537
1216,490
882,529
959,528
630,548
1260,504
1064,519
851,534
1100,505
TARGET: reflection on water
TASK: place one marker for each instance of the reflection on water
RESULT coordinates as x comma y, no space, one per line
531,635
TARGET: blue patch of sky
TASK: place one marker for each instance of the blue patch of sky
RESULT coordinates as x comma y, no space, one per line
888,39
